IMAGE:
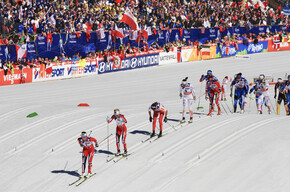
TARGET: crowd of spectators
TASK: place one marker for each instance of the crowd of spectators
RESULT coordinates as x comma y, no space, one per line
22,20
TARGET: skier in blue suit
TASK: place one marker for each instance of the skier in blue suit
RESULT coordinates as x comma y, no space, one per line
241,90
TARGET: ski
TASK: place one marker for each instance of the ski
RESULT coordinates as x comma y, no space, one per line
80,178
123,156
148,139
112,158
85,179
158,138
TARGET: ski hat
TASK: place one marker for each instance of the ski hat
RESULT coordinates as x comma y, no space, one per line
279,80
239,74
83,134
209,72
116,111
226,77
154,106
184,81
262,76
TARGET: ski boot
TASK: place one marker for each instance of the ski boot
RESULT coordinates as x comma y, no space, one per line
182,120
125,152
160,134
153,134
190,120
118,153
219,110
82,175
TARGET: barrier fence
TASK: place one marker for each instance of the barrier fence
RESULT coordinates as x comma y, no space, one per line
93,66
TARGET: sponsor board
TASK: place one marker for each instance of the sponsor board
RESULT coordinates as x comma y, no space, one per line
129,63
167,57
18,76
64,72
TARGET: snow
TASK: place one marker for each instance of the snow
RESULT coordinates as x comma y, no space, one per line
231,152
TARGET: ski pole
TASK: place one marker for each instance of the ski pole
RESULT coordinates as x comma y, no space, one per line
171,126
199,95
106,138
224,108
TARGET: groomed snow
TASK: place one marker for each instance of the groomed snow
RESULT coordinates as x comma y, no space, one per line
228,153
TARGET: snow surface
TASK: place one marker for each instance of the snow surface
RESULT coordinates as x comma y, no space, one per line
227,153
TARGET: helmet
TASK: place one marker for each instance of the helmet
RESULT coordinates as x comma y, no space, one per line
279,80
262,77
116,112
209,72
154,105
83,134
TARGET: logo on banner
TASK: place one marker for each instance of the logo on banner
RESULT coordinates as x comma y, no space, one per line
255,48
160,36
186,34
30,48
72,38
41,40
212,32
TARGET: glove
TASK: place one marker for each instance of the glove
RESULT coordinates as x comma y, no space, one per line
194,98
150,119
165,119
180,95
275,96
97,145
202,76
206,97
108,119
231,95
220,90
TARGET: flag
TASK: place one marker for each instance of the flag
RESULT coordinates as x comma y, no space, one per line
21,51
139,37
88,36
118,1
145,34
101,34
52,20
133,35
118,32
205,50
82,63
130,20
117,62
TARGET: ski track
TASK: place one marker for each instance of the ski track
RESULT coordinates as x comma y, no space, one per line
143,87
213,150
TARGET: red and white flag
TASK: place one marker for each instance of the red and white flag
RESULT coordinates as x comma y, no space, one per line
21,51
130,20
133,35
118,32
101,34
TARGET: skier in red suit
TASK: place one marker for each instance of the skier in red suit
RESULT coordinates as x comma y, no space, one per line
213,91
160,110
87,143
121,129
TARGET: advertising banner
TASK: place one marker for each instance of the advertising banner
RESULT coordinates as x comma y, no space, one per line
18,76
139,61
167,57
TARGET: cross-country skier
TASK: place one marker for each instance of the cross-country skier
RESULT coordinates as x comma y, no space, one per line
121,129
281,95
206,78
87,143
187,92
224,88
261,89
158,110
213,90
241,90
287,91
